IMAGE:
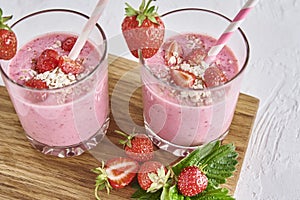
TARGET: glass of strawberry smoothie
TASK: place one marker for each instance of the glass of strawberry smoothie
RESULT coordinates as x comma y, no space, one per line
68,113
186,102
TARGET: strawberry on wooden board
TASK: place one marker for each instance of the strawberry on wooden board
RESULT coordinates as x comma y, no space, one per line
115,173
137,146
191,181
152,176
8,40
143,29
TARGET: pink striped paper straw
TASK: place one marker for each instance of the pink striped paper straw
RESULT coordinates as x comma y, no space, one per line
98,10
233,26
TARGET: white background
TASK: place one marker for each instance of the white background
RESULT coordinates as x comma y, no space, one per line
272,165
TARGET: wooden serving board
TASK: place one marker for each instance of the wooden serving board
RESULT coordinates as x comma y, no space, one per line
28,174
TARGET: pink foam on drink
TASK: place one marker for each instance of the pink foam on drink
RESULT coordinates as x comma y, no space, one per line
181,122
66,123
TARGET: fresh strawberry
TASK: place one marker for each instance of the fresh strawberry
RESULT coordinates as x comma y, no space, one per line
36,83
191,181
143,29
196,56
137,146
68,65
213,76
116,173
68,43
182,78
152,176
8,40
173,54
47,61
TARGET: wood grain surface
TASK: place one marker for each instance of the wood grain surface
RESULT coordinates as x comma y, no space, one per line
29,175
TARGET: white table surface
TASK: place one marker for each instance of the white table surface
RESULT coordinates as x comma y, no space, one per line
272,165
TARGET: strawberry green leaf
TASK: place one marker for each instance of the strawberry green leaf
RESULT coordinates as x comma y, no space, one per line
215,194
215,160
130,11
142,6
150,10
140,19
152,19
141,194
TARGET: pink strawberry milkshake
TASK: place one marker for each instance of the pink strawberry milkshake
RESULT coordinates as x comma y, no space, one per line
68,114
193,115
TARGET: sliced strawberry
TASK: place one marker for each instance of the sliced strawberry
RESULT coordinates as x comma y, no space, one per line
196,56
68,65
68,43
173,53
47,61
116,173
213,76
152,176
182,78
36,83
121,171
191,181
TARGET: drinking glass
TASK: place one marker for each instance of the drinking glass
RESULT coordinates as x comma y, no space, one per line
64,121
181,119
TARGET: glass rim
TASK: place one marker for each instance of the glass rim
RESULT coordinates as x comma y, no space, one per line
78,81
246,42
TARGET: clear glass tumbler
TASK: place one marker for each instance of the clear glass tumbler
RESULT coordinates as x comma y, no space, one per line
69,120
180,119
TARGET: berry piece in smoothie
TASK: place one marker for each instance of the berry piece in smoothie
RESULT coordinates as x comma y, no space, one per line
69,66
68,43
47,61
182,78
173,54
36,83
213,76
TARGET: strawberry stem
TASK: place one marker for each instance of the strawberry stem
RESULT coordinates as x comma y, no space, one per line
144,12
3,21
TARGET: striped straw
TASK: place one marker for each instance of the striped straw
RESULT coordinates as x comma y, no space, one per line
233,26
75,51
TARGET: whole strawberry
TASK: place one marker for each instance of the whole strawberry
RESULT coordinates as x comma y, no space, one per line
152,176
191,181
8,40
137,146
143,29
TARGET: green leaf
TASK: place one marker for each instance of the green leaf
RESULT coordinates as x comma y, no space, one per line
142,6
195,157
141,194
130,11
150,10
140,18
174,193
217,161
152,19
213,194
